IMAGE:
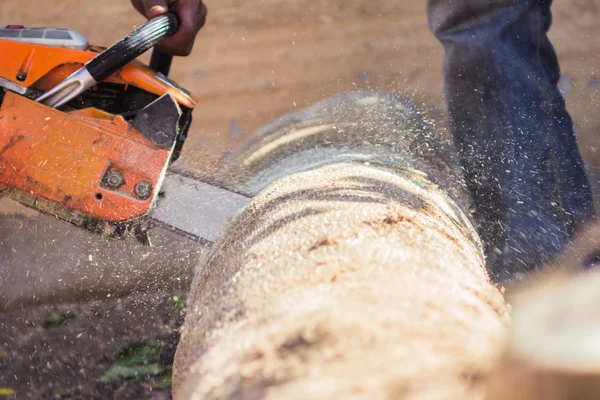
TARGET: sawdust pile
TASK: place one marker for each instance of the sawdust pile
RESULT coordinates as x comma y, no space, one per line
353,274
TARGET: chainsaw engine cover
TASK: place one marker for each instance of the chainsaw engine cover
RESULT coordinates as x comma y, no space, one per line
99,160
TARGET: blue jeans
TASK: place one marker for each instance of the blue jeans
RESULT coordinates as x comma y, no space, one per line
514,136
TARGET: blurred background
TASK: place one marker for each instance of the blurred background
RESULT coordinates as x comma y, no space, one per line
257,60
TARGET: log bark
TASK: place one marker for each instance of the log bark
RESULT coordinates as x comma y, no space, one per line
354,273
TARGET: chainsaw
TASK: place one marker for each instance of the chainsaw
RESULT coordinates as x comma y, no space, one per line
87,134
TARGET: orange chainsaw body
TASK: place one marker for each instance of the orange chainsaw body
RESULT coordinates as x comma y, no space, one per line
65,156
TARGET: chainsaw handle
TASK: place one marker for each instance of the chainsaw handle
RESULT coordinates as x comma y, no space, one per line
161,62
111,60
132,46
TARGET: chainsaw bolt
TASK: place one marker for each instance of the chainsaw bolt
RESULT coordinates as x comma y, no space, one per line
115,179
143,190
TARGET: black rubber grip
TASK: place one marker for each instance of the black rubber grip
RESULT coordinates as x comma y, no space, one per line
132,46
161,62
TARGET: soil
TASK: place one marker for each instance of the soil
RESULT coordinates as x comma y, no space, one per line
61,351
254,62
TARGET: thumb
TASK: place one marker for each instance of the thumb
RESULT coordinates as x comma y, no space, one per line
154,8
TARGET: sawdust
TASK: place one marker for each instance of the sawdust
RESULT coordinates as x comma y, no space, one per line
350,276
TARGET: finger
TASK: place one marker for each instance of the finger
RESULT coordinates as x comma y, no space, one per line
153,8
202,15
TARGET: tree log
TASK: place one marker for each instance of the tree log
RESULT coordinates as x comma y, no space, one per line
553,347
354,273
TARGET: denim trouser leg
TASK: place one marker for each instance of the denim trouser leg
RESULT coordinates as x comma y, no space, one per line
514,136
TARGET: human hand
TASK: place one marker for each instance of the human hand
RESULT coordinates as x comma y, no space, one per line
192,16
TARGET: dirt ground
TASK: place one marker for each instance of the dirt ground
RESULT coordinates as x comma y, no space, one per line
64,351
256,61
